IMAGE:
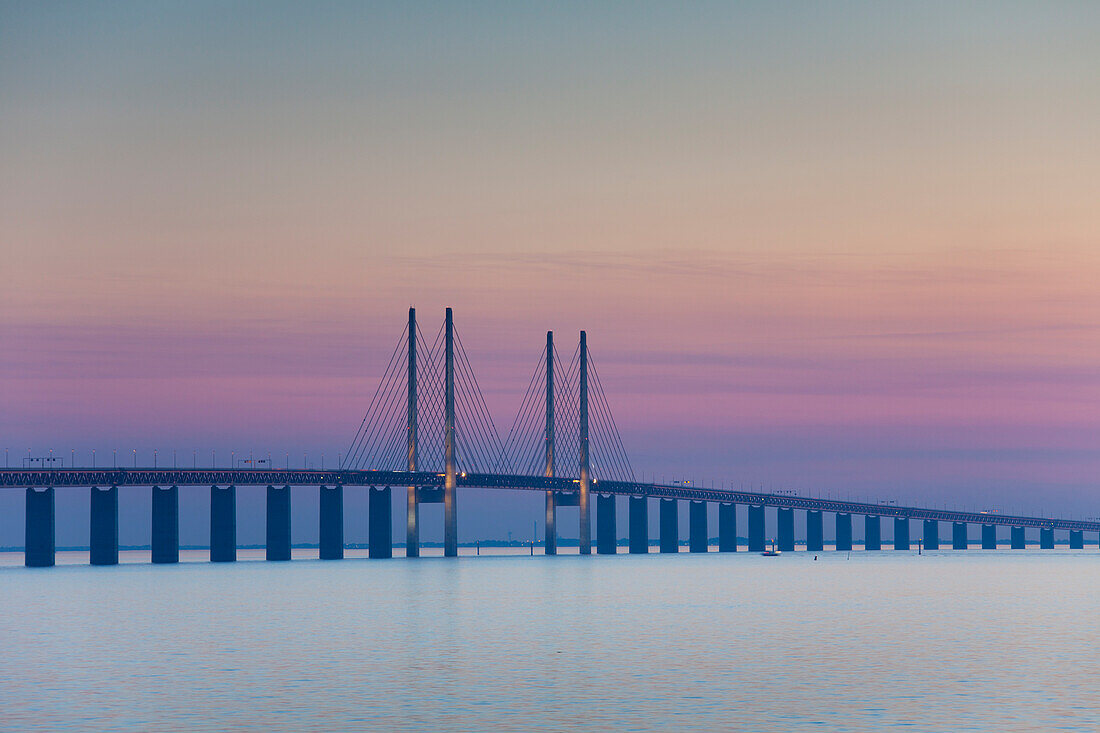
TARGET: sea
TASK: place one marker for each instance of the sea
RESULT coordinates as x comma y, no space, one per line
832,641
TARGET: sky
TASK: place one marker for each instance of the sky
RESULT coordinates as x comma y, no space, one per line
844,248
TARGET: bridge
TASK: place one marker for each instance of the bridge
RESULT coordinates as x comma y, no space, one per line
428,432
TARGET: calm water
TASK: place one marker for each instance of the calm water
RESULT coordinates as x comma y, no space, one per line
941,642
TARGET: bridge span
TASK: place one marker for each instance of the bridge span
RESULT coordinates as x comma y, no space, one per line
428,432
429,488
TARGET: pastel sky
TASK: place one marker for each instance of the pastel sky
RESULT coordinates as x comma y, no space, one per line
843,247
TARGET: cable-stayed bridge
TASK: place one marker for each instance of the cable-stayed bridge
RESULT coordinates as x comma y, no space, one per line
428,431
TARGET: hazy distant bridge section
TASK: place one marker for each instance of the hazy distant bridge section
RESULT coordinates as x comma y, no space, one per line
427,431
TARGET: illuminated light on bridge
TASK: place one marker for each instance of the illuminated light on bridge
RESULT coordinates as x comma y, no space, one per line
427,430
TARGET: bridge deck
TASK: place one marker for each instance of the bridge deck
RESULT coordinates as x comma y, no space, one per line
76,477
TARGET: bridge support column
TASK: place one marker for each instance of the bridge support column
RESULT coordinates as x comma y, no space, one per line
785,529
332,523
872,533
223,524
605,525
1019,540
756,528
103,534
1046,539
901,533
844,531
727,528
639,525
931,534
1076,539
39,539
380,539
815,531
551,533
989,537
450,495
278,523
166,525
412,522
697,526
670,535
959,539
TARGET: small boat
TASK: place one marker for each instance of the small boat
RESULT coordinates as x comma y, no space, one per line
773,552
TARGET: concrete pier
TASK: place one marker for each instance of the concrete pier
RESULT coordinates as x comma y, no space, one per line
550,528
166,524
1046,539
727,528
697,526
785,529
756,529
959,539
278,523
872,533
1019,540
639,525
670,538
1076,539
844,531
605,525
103,534
223,524
815,531
39,537
380,519
989,537
901,533
931,534
332,523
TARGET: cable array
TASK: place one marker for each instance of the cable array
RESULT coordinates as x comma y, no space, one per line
525,446
381,443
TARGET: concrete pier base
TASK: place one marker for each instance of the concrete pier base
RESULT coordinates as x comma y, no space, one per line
1046,539
380,519
278,523
39,529
670,538
697,526
412,522
989,537
166,524
844,531
959,539
639,525
727,528
605,525
901,533
756,529
872,533
1019,540
332,523
223,524
815,531
103,534
1076,539
785,529
550,534
931,534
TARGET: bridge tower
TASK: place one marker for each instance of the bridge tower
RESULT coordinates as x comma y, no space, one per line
412,505
550,538
450,516
582,497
